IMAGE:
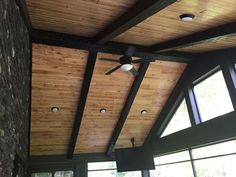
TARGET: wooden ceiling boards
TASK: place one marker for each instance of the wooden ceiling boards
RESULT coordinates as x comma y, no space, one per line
78,17
57,76
166,24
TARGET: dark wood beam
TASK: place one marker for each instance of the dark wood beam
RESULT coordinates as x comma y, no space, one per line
125,111
170,107
24,14
71,41
136,14
215,130
82,101
216,33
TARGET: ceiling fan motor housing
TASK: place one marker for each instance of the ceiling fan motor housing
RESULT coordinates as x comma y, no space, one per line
125,60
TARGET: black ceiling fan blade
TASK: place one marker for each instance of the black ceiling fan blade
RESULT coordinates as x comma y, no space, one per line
130,51
112,70
134,72
140,61
108,59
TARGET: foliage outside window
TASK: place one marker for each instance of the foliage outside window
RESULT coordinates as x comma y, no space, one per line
64,174
216,160
56,174
179,121
43,174
213,97
108,169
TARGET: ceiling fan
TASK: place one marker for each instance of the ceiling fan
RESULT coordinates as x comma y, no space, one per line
125,62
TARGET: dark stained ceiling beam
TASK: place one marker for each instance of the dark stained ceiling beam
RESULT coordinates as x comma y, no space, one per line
205,36
82,101
133,16
72,41
125,111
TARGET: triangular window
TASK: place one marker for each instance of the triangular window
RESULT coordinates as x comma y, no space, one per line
179,121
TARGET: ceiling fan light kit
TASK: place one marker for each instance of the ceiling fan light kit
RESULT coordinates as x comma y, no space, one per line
125,62
126,67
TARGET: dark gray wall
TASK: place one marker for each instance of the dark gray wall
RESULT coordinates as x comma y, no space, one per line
15,74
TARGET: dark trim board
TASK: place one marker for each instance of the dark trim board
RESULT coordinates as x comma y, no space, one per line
205,36
136,14
125,111
71,41
82,101
215,130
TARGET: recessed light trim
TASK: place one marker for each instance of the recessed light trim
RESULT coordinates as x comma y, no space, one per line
186,17
143,112
55,109
103,110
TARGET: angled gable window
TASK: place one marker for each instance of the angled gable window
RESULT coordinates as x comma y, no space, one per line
212,97
179,121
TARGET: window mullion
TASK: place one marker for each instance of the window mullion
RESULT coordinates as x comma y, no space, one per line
192,106
192,163
145,173
230,80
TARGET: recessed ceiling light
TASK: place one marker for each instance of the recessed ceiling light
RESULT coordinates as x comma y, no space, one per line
143,112
55,109
103,110
186,17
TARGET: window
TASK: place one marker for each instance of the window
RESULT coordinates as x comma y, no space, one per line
213,97
108,169
43,174
179,121
216,160
56,174
64,174
172,165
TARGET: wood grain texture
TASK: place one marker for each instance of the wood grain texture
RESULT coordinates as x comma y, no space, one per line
156,87
79,17
106,91
56,81
57,75
166,24
222,43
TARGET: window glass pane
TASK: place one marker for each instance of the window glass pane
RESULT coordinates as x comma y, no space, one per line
213,97
101,165
179,121
113,173
64,174
173,170
44,174
130,174
176,157
217,149
216,167
106,173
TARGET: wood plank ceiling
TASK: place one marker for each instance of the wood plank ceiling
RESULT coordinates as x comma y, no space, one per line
58,72
79,17
166,25
57,76
56,81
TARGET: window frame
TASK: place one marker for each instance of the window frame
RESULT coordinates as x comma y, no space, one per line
203,78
